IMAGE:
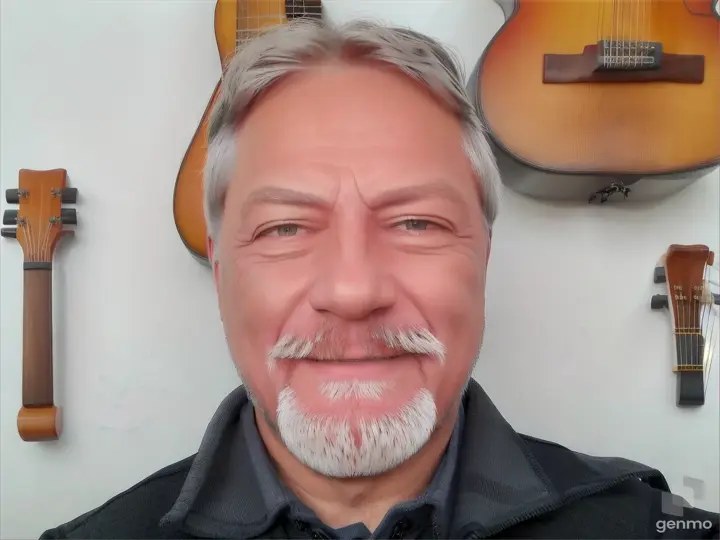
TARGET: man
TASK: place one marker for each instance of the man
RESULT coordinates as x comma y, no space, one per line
350,198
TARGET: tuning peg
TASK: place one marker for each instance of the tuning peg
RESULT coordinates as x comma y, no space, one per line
12,196
659,301
69,195
659,275
8,232
68,216
10,217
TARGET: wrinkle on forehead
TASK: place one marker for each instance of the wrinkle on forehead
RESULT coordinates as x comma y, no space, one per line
352,126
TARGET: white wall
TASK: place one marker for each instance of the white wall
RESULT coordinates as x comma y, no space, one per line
112,91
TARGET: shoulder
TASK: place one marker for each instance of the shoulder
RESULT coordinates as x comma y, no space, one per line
619,498
133,513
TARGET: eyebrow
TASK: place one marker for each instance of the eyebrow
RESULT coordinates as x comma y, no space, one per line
406,194
285,196
390,197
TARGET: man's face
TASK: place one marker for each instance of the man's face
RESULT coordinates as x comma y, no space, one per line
352,263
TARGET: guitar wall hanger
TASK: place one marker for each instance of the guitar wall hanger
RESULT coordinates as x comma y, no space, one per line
37,225
694,316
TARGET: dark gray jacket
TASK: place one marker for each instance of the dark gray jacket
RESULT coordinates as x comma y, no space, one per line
507,485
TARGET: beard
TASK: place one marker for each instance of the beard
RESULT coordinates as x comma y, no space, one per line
328,446
354,444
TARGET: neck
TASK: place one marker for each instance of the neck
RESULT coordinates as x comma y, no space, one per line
339,502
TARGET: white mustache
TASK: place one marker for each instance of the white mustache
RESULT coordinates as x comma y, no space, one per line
325,345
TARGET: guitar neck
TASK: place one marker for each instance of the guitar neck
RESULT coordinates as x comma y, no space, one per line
37,382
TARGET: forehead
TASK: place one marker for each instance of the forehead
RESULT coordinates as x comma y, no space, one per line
350,121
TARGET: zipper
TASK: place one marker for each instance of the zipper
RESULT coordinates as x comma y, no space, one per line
572,497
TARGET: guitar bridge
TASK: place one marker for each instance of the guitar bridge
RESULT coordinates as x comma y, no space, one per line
628,55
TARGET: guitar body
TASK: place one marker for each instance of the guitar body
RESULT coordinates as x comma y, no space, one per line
236,21
565,123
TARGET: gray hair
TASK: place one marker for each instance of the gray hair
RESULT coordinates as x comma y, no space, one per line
287,48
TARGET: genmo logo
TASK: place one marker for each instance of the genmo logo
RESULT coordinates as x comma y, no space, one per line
663,525
674,506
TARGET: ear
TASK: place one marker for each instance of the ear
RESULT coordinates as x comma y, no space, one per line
210,246
489,247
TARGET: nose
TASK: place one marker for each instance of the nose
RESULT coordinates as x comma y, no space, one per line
352,284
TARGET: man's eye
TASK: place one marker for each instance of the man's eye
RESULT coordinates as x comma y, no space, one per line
415,224
287,229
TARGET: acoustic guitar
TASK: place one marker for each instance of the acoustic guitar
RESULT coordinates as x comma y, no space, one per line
693,306
595,99
38,224
236,21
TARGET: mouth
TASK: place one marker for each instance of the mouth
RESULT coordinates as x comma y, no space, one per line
364,360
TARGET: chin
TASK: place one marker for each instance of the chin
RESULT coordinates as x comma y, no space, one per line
356,436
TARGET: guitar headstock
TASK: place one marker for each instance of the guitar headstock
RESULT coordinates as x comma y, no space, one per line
694,315
41,217
685,275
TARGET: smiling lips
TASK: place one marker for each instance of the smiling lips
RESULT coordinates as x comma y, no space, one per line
369,368
365,360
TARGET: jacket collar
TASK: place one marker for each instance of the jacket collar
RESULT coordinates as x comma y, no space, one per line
499,482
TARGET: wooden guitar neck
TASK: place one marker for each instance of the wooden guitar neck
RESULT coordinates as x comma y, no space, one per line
38,225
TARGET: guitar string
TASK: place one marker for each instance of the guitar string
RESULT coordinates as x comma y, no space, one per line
647,7
636,32
623,19
700,336
676,299
629,34
47,239
42,240
613,44
623,33
30,234
647,4
698,309
692,353
45,244
679,315
690,358
693,342
687,356
597,22
709,315
709,349
642,29
706,302
633,33
607,43
687,325
683,325
600,30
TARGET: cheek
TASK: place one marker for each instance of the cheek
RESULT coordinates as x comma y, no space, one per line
449,291
255,300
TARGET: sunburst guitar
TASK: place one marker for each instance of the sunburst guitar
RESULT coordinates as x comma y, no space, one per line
236,21
602,99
